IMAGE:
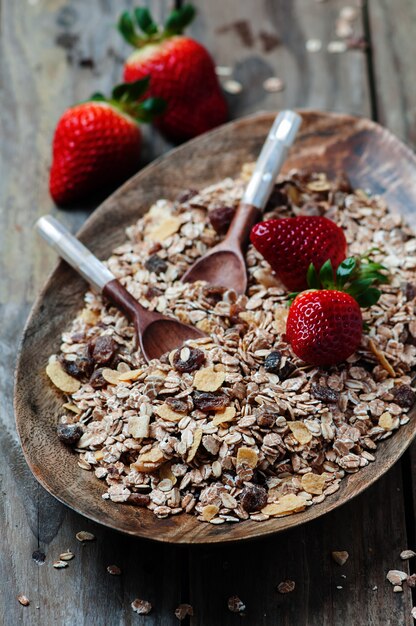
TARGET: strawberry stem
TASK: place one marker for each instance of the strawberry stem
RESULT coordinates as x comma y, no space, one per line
127,97
175,24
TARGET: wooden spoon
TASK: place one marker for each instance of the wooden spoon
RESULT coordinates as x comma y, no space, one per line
156,333
225,264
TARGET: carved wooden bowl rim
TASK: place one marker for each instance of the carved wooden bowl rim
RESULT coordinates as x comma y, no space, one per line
372,157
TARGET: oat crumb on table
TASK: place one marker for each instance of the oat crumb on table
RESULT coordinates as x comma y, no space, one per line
234,426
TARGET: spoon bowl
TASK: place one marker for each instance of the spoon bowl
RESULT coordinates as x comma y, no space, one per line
223,266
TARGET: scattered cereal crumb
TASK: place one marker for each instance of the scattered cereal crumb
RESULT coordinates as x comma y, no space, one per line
232,86
407,554
223,70
60,564
396,577
114,570
84,535
24,600
411,581
413,612
286,586
397,589
60,378
142,607
340,557
339,587
313,45
336,47
273,84
66,556
235,605
183,610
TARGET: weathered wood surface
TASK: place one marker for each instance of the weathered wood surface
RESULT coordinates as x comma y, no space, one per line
370,157
56,52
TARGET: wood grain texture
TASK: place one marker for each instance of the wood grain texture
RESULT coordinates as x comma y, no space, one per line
40,75
371,158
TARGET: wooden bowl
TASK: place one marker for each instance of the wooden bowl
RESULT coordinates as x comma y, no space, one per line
371,157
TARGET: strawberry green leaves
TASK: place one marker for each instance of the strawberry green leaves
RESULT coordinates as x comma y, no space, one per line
355,276
128,97
142,20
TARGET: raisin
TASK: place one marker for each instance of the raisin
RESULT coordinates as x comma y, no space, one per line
213,293
266,418
276,363
186,195
156,264
342,183
325,393
138,499
404,396
153,292
81,368
184,362
272,362
207,401
97,381
69,433
181,406
410,291
103,349
277,199
221,218
253,498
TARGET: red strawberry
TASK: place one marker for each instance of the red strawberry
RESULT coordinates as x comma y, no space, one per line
324,326
182,72
291,244
97,143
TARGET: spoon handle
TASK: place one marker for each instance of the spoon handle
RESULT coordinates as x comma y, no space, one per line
74,252
272,156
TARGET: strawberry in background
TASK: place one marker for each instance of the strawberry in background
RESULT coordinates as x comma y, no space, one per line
182,72
97,143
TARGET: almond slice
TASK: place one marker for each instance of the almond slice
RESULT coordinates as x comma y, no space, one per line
130,375
111,376
386,421
209,512
60,378
168,227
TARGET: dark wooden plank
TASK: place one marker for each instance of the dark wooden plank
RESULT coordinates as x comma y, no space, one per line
52,56
253,570
267,38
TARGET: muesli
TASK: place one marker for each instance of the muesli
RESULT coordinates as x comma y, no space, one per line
234,426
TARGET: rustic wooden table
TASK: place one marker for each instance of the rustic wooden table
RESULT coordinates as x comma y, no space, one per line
54,53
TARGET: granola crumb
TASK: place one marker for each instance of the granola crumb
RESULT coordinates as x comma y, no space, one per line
396,577
340,557
114,570
60,564
286,586
67,556
235,605
407,554
142,607
183,610
24,600
84,535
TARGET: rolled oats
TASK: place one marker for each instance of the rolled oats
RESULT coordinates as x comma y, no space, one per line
202,428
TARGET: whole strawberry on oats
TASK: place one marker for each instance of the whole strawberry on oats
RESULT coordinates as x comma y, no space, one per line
291,244
324,326
181,69
97,143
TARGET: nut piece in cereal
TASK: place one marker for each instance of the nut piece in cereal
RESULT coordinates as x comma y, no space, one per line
168,227
207,379
149,461
386,421
224,416
209,512
138,426
60,378
300,432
